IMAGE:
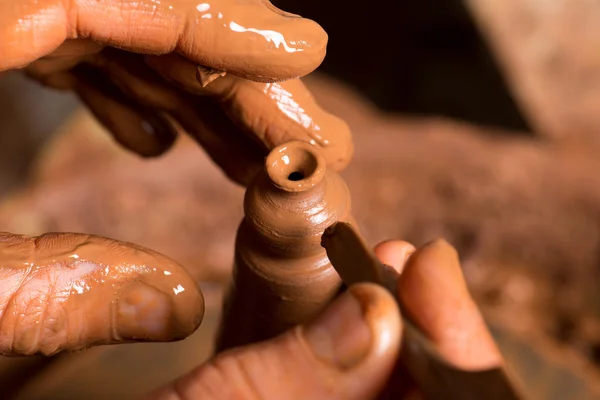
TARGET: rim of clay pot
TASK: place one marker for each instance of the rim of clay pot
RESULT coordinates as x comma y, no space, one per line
295,166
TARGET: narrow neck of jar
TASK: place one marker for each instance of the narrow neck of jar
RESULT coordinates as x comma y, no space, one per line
302,199
295,168
287,204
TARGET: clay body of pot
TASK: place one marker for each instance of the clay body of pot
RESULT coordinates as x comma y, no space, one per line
282,276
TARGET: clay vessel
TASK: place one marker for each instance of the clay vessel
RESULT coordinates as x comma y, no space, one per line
282,276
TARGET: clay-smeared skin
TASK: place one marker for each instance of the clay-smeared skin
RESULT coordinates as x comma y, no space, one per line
282,275
71,291
270,113
235,120
250,38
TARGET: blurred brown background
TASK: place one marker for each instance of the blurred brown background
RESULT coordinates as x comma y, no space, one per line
474,120
29,114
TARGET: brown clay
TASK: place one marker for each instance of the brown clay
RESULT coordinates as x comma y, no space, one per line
237,121
248,38
468,376
274,113
293,114
70,291
282,276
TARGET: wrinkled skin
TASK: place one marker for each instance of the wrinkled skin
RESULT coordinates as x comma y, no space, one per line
69,291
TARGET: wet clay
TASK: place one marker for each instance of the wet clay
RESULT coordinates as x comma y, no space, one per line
282,276
250,38
293,114
70,291
270,113
236,121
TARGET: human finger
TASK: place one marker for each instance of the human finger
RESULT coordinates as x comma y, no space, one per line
346,353
137,105
434,294
64,292
394,253
54,70
235,151
140,129
249,38
272,113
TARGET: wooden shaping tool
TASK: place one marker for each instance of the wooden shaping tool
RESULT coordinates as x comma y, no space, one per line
355,263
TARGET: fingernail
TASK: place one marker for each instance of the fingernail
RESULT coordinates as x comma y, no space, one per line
341,336
399,262
143,313
407,254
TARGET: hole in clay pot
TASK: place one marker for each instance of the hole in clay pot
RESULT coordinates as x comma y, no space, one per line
296,176
295,166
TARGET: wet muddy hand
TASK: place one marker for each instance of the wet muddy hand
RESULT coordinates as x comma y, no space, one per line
236,119
249,38
71,291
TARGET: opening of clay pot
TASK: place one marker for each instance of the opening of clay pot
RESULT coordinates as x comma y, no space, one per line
295,166
296,176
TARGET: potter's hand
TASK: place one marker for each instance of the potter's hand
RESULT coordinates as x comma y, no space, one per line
350,352
69,291
137,94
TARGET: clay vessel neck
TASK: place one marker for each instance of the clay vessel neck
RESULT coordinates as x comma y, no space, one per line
295,169
291,203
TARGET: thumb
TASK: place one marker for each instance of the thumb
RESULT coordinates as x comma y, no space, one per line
71,291
346,353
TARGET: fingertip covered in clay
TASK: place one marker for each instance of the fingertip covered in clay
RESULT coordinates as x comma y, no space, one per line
71,291
253,40
372,363
295,199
